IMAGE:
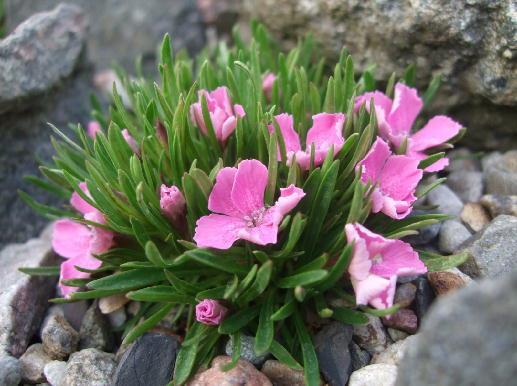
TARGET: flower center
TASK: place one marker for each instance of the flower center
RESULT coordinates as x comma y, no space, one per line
377,259
255,218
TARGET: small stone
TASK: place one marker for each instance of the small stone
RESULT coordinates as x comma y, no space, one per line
112,303
89,367
117,318
394,352
490,159
371,336
426,234
10,371
73,312
54,372
446,200
474,216
58,337
396,335
380,374
95,331
360,358
282,375
461,160
444,282
33,362
404,319
149,360
501,176
467,185
244,373
331,344
497,204
424,296
247,350
133,308
452,235
405,294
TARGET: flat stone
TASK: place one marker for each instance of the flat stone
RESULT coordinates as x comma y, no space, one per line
467,185
112,303
371,336
446,200
452,235
33,362
360,358
396,335
444,282
95,331
247,350
24,299
55,372
394,352
474,216
497,204
89,367
405,294
462,160
380,374
331,344
468,338
501,176
10,371
28,64
148,361
492,251
58,337
282,375
424,296
404,319
244,373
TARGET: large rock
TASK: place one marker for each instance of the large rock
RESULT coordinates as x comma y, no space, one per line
33,362
89,367
23,299
492,251
39,53
379,374
501,174
471,43
120,31
468,338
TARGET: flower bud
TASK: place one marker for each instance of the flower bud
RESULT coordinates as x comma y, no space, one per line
210,312
172,204
93,128
131,142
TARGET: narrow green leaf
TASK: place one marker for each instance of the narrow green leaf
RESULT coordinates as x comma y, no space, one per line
302,279
135,278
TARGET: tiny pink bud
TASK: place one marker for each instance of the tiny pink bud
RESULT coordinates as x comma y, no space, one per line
161,132
172,203
267,84
210,312
131,142
94,127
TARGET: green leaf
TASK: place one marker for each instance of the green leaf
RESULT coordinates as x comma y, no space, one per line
281,354
381,313
436,263
147,324
153,254
235,322
265,329
302,279
348,316
40,271
431,160
284,312
160,293
187,356
433,87
135,278
310,361
220,262
259,285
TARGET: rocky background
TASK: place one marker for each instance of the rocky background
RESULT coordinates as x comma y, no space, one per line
455,327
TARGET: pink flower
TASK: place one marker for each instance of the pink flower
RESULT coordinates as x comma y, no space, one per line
395,178
131,142
268,80
210,312
327,130
240,213
376,263
396,117
172,203
94,127
222,114
78,242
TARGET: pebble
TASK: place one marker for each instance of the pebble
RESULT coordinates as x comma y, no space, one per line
89,367
424,296
33,362
404,319
444,282
370,336
149,360
117,318
497,204
360,358
331,344
468,185
282,375
446,200
95,331
462,160
58,337
394,352
54,372
396,335
10,371
490,160
247,350
474,216
501,175
112,303
380,374
244,373
405,294
452,235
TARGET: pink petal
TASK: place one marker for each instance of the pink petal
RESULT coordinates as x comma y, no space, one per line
438,130
290,136
267,82
210,312
374,161
397,209
382,105
398,258
437,166
220,200
239,110
303,159
370,288
71,239
400,177
228,128
218,118
222,98
263,234
131,142
68,271
196,115
93,128
218,231
406,107
385,298
78,203
289,198
249,186
172,202
360,263
327,130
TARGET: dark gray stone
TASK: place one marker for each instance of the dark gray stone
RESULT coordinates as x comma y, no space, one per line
446,200
467,185
58,337
360,358
404,320
39,53
497,204
10,371
405,294
33,362
426,234
371,336
501,174
23,299
89,367
95,331
468,338
149,361
247,350
334,358
424,296
452,235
